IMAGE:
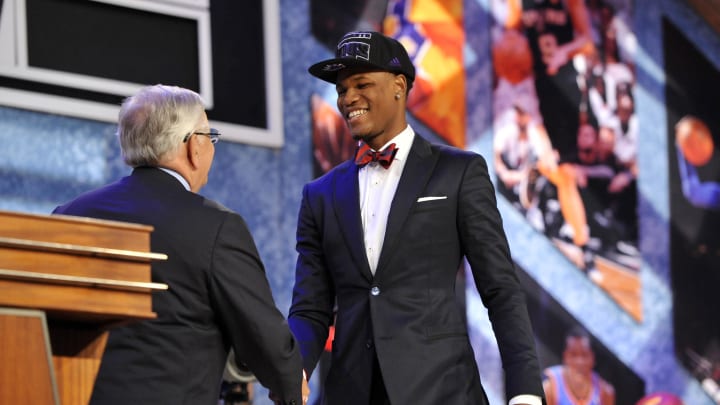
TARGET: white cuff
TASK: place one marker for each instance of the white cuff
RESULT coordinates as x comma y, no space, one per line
525,399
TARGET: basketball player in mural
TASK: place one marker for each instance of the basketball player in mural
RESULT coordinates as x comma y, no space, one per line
574,60
557,30
574,382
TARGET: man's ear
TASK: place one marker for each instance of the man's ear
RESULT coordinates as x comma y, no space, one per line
400,83
193,152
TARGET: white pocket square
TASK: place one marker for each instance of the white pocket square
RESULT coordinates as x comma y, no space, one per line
423,199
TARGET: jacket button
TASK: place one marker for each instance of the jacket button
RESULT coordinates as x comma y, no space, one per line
375,290
369,344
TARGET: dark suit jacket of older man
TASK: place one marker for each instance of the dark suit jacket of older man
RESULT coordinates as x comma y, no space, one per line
218,297
407,315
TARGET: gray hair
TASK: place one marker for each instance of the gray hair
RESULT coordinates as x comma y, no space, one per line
153,123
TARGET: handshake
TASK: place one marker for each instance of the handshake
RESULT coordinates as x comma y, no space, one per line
238,377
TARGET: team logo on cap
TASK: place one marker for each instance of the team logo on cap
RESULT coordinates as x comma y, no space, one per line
355,50
354,45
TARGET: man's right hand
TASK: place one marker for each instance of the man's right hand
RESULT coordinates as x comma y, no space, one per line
305,390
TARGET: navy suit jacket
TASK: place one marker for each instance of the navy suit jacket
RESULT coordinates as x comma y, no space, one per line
218,297
407,313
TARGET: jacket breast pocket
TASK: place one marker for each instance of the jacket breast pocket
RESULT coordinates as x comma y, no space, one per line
431,223
429,205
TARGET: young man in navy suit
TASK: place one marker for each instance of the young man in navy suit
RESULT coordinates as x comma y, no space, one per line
218,296
380,238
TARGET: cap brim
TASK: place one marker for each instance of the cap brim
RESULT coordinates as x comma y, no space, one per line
328,69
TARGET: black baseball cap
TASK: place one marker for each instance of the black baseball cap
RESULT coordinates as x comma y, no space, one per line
368,49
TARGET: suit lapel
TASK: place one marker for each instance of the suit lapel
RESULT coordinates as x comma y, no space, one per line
416,173
346,200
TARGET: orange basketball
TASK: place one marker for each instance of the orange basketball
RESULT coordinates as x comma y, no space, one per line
695,140
512,58
660,398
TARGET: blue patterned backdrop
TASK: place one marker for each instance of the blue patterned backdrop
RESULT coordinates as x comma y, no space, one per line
46,159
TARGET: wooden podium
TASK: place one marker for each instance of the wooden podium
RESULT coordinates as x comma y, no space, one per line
64,281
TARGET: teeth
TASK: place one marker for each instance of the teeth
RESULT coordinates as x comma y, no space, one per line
356,113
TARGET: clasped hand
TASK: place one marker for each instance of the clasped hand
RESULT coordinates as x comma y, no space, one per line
305,393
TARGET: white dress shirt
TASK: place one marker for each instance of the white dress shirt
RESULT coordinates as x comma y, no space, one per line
377,189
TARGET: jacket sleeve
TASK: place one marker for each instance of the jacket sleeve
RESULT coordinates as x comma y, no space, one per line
493,269
311,313
242,298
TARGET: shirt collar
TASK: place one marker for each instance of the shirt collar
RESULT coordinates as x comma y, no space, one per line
177,175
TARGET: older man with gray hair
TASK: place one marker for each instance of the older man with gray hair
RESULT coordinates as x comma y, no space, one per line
218,297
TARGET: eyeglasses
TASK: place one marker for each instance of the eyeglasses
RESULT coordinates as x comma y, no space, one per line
214,135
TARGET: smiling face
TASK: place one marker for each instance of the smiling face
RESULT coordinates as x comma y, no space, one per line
372,104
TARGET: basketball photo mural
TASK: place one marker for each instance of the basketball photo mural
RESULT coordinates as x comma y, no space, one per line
565,132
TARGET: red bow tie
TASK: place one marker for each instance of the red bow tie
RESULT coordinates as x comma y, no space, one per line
366,155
